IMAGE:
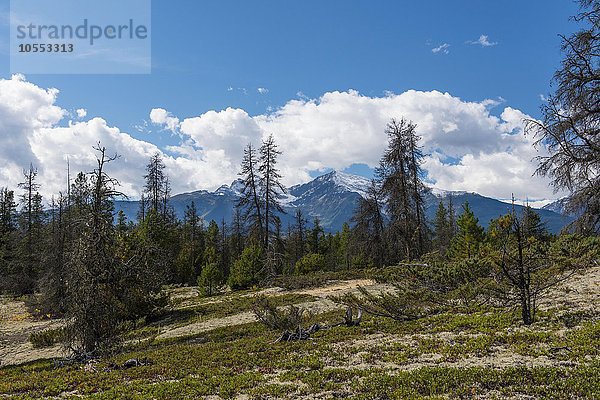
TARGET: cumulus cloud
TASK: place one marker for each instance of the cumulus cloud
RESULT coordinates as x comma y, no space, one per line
24,108
466,146
483,41
31,132
160,116
81,113
443,48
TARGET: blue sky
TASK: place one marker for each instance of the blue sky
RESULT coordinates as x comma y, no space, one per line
211,55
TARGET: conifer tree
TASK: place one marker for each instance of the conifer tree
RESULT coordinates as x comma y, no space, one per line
399,174
93,308
298,236
316,236
569,129
31,221
469,237
271,187
236,240
441,226
8,231
368,232
345,243
250,202
157,186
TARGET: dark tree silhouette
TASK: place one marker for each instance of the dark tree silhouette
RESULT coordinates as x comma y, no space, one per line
570,128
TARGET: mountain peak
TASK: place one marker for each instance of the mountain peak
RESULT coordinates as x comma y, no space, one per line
332,197
237,186
348,182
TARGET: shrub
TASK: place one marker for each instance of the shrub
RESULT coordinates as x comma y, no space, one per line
47,338
421,290
287,318
310,263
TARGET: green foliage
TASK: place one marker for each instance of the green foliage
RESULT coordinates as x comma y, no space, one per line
421,290
469,237
210,278
246,270
310,263
186,263
527,264
47,338
282,319
237,361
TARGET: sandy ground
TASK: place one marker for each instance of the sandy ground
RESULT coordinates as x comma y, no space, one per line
581,291
322,305
16,324
499,357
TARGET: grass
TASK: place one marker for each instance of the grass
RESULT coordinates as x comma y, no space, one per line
202,309
380,359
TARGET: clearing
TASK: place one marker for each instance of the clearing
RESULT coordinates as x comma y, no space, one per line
214,348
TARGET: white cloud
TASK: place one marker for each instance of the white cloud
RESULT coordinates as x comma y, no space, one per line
468,147
262,90
483,41
24,108
441,49
31,132
160,116
81,113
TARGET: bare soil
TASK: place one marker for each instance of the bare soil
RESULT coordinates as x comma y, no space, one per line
16,324
580,292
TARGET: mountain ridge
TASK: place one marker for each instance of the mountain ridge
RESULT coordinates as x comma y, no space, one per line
332,198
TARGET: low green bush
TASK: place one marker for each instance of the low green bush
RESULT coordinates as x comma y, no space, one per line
47,338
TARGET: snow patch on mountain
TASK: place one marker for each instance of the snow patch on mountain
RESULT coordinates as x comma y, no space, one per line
287,199
445,193
537,204
351,183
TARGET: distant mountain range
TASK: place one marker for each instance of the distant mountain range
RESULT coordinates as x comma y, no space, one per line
332,198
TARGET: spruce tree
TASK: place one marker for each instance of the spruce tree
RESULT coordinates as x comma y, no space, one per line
316,236
441,229
8,236
469,237
93,308
569,127
345,244
157,186
368,232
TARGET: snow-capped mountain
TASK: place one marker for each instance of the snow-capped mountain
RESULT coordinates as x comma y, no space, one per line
332,198
557,206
